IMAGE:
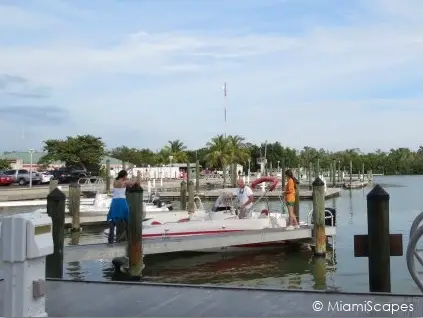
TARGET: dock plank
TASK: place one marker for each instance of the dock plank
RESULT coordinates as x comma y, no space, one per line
94,299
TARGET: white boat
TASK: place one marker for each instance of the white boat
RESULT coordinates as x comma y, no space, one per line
102,203
222,218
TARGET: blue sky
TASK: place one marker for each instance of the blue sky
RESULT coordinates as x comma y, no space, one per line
328,74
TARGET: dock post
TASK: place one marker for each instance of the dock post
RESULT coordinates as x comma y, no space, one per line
270,169
135,257
319,217
52,185
339,173
362,170
197,176
139,177
283,168
317,171
74,205
330,173
183,195
107,176
297,202
56,210
379,240
191,206
234,174
188,172
310,169
334,173
351,171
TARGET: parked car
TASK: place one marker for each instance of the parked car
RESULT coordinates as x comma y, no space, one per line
21,176
6,180
46,176
70,174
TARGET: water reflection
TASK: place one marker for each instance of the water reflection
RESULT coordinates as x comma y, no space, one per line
277,268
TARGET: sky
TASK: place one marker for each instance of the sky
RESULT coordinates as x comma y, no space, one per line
322,73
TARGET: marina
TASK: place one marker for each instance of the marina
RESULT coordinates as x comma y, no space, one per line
91,260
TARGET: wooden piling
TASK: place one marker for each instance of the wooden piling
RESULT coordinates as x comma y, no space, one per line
340,179
56,210
270,169
188,172
191,205
283,168
317,169
52,185
379,240
234,175
183,195
330,173
351,171
362,171
107,176
297,195
135,257
197,176
334,173
310,169
74,205
139,177
319,217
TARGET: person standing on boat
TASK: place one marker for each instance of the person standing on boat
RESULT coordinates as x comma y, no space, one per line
245,198
119,209
290,190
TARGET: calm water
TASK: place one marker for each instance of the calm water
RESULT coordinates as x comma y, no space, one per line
282,268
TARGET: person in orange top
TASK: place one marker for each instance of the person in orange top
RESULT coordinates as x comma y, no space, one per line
290,190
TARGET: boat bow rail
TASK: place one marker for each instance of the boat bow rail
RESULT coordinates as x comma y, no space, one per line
413,253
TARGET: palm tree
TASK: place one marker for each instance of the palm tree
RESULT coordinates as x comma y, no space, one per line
239,150
223,151
219,154
176,149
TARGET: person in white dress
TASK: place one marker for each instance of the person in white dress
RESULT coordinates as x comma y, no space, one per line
245,198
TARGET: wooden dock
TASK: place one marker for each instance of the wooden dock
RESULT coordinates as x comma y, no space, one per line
136,299
167,244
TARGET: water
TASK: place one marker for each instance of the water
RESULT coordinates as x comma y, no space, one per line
283,268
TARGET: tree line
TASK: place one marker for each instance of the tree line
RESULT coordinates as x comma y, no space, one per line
221,151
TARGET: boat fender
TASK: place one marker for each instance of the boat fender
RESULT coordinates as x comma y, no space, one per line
156,223
184,220
273,180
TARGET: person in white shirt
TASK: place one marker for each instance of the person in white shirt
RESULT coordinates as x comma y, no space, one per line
245,198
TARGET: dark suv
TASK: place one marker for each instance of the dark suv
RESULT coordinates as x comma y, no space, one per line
70,174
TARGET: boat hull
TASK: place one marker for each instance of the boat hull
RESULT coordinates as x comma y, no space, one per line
201,228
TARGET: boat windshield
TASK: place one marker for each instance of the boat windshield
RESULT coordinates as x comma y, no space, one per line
224,202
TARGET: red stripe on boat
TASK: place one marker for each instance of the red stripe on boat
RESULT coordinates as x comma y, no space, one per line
190,233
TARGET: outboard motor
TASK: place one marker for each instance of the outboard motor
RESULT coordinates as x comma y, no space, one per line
328,221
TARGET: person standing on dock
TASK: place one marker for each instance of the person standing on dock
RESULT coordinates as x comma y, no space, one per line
289,196
119,209
245,198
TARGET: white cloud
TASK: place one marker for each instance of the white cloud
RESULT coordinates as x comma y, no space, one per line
287,75
12,17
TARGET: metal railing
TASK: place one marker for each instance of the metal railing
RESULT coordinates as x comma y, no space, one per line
95,184
330,216
413,253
